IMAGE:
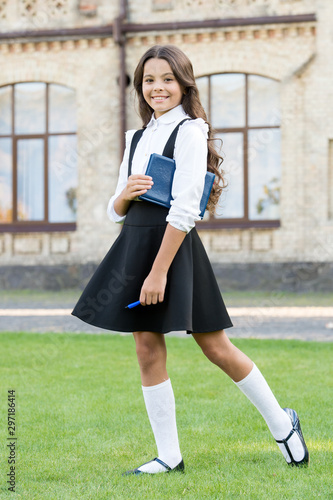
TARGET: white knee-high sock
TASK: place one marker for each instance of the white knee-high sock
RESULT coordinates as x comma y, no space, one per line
256,389
161,409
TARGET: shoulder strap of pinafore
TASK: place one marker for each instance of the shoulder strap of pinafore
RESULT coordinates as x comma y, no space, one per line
135,139
170,145
168,148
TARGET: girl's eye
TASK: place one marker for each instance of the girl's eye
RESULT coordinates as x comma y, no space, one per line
168,79
148,80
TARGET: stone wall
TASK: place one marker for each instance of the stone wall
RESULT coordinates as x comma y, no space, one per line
271,276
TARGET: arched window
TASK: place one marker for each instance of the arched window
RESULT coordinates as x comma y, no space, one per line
38,171
244,110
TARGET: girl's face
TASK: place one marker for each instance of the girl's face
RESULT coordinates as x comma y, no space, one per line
159,86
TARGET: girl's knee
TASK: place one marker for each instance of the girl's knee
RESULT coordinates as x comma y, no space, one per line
145,352
149,352
218,352
215,354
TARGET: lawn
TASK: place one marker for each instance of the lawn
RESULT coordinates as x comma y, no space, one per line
81,421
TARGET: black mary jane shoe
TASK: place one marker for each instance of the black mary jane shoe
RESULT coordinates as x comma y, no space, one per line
180,467
296,428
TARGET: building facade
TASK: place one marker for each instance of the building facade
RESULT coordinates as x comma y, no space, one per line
265,76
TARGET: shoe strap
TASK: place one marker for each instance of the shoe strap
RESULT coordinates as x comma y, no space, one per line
162,463
285,442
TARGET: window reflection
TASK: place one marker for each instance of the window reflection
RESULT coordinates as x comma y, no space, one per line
30,102
6,181
264,101
202,84
264,174
30,179
231,203
62,178
62,109
5,110
228,100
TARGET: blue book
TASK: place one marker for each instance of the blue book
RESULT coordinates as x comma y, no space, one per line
162,169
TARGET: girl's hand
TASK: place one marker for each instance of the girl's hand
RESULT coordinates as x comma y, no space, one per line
137,185
153,288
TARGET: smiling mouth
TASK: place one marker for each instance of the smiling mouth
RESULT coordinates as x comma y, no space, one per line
159,98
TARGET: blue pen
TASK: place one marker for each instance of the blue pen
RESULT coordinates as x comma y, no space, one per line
134,304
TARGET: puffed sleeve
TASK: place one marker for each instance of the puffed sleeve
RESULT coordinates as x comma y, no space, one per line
189,179
122,179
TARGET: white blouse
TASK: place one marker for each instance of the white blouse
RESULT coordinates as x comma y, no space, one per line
190,155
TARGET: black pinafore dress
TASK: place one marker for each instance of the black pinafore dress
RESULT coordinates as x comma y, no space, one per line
192,299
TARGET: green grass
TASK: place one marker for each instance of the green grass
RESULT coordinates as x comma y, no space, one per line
81,420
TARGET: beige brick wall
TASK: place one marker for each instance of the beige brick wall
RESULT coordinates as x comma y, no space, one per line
51,14
177,10
40,14
297,54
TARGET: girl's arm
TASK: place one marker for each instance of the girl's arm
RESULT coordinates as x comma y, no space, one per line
136,185
127,187
153,287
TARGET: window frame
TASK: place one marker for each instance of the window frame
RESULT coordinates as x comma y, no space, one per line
41,225
239,222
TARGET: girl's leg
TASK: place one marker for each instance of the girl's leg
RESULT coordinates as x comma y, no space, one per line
220,351
159,400
152,356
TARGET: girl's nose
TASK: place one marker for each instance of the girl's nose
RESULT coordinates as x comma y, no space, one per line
158,86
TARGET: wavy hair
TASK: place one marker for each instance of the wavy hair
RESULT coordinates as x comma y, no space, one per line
182,69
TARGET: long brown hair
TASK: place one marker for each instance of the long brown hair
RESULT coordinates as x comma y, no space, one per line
182,69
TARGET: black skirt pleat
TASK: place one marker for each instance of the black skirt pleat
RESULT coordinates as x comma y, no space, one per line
192,301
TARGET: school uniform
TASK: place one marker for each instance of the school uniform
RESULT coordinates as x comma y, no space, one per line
192,300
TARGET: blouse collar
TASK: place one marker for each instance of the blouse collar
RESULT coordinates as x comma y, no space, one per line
175,114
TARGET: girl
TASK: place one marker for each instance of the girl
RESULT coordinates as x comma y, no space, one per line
159,258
